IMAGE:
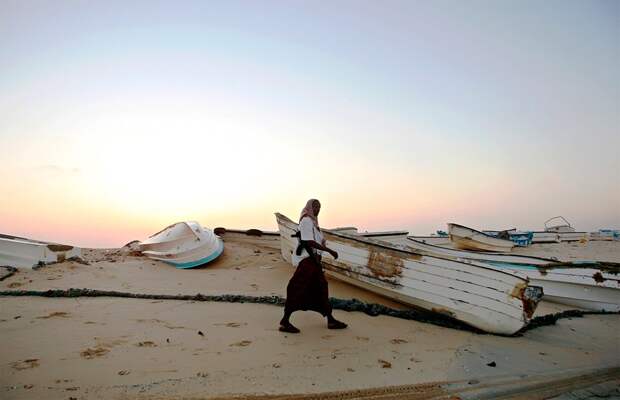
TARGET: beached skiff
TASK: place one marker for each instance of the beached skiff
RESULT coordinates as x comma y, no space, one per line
25,253
184,245
486,298
588,284
467,238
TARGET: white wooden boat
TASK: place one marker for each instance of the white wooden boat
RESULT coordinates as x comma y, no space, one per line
25,253
587,284
470,239
486,298
184,245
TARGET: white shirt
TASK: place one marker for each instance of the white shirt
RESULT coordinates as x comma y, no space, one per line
308,231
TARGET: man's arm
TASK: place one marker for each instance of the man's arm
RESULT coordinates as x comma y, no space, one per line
319,246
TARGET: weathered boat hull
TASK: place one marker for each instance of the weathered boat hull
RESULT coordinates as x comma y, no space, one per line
25,253
486,298
184,245
467,238
582,285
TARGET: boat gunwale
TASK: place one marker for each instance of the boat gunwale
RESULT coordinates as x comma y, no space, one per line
386,233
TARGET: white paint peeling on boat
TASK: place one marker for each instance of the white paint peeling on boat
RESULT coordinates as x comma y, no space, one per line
486,298
26,253
468,238
583,286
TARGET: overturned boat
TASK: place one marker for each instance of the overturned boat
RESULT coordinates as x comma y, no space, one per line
27,253
184,245
590,285
470,239
481,296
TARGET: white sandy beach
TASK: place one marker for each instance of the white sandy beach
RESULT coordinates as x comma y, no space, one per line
102,348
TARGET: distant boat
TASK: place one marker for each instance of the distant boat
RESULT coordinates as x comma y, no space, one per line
587,284
561,227
522,239
184,245
27,253
605,234
396,237
440,238
562,231
484,297
470,239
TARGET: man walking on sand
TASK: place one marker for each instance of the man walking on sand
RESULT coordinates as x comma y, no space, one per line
308,289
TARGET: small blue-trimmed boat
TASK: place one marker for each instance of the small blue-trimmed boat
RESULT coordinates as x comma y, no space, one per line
521,239
184,245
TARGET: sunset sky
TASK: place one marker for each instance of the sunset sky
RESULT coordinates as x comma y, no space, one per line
118,118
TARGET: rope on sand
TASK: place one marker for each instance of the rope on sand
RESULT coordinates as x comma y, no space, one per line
9,272
371,309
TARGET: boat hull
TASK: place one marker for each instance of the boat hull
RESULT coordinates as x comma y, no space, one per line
470,239
589,297
24,253
184,245
580,285
485,298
